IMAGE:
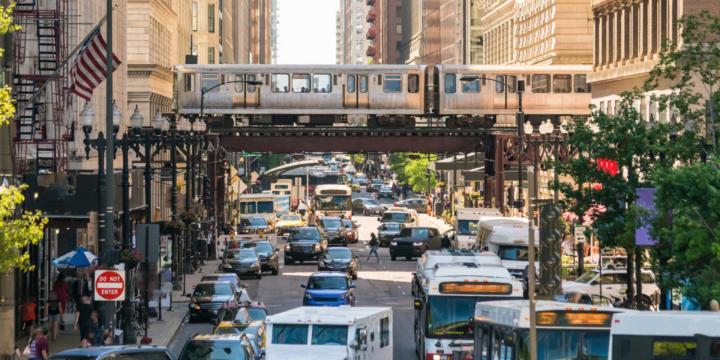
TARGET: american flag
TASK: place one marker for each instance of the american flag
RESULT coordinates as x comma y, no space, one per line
89,68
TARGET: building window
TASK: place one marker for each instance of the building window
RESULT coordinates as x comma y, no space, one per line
211,18
322,83
562,83
211,55
194,50
398,29
280,83
450,84
194,16
301,83
392,83
541,83
413,83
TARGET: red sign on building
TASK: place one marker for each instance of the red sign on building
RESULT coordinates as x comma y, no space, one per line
109,285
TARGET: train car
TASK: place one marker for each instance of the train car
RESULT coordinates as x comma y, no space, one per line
385,95
551,91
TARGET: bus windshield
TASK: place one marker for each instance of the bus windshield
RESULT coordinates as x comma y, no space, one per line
256,207
451,316
512,252
467,227
567,344
397,217
333,202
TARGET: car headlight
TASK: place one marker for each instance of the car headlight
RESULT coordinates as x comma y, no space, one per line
308,296
418,244
393,243
254,266
288,247
195,306
316,247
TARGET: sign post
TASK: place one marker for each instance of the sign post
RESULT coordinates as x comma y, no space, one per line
109,285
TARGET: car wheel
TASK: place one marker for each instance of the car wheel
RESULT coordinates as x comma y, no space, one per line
364,212
258,275
354,276
275,270
408,258
287,261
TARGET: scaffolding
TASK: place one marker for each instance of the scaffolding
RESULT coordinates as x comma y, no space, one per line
41,88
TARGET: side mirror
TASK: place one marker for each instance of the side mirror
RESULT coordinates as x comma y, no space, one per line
354,345
303,286
418,304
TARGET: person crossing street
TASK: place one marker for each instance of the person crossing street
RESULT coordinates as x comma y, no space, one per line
373,247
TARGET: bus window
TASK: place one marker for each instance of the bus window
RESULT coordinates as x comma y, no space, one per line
392,83
674,349
562,83
581,85
540,83
450,84
265,207
413,83
471,86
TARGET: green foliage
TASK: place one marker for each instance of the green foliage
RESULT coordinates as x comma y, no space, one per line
690,237
17,230
411,169
357,159
7,107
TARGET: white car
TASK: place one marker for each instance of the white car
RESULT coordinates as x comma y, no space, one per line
613,283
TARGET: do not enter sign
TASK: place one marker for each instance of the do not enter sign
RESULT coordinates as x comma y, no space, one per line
109,285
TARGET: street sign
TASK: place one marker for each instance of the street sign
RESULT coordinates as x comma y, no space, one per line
580,234
109,285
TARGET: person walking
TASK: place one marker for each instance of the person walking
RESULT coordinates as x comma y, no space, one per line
373,247
83,316
28,313
61,288
54,312
40,350
445,242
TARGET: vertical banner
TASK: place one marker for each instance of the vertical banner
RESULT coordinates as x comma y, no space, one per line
645,201
551,231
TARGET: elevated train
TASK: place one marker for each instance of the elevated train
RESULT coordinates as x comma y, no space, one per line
382,95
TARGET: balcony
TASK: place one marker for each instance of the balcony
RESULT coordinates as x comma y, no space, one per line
371,16
370,2
371,51
371,33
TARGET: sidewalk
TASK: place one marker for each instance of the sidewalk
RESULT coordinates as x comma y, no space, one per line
162,332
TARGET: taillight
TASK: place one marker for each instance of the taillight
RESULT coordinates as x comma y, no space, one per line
438,357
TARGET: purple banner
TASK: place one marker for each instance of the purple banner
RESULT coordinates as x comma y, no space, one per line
645,200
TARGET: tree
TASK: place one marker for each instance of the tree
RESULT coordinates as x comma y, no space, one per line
18,230
411,169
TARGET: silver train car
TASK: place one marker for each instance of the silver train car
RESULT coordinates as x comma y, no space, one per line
382,95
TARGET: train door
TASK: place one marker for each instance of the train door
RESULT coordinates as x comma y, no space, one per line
355,94
245,95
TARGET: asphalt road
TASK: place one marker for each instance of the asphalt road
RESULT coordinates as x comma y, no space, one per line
386,283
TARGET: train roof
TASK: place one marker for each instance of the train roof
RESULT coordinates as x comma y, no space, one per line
308,68
517,68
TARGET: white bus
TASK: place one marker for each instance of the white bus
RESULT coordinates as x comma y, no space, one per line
444,309
564,330
258,204
466,225
685,335
426,263
508,238
332,200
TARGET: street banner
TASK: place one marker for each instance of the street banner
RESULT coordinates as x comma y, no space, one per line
645,200
109,285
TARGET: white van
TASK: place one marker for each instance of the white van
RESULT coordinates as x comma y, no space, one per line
466,225
330,333
508,238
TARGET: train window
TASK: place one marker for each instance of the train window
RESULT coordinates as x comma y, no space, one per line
450,83
472,86
562,83
581,85
363,86
238,85
392,83
250,77
540,83
209,81
322,83
280,83
500,83
351,84
413,83
511,82
188,80
301,83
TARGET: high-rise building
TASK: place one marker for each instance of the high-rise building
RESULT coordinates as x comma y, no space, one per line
262,33
385,31
440,31
357,18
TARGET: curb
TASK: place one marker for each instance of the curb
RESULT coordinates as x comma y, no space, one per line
177,330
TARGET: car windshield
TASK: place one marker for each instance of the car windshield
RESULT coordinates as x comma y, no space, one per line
377,181
420,233
291,218
212,289
398,217
329,335
256,221
233,253
213,350
257,313
347,224
385,188
339,253
73,357
234,329
263,248
230,278
305,235
512,252
451,316
289,334
330,223
567,344
371,202
390,227
586,277
246,254
467,227
333,202
327,283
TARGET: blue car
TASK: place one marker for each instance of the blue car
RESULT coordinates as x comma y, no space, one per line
329,289
112,352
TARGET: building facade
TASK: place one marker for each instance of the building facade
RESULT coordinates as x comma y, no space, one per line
357,19
262,31
440,31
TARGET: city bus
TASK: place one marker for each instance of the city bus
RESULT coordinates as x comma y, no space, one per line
332,200
691,335
466,225
564,330
258,204
444,310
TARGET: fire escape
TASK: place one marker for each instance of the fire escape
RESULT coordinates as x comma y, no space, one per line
40,48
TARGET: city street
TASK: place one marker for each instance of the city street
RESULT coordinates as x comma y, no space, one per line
379,284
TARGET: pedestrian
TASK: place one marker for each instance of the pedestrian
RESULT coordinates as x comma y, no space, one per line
88,340
107,338
714,305
54,312
61,288
28,312
373,247
83,316
445,242
41,348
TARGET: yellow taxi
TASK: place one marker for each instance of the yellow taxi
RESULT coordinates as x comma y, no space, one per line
288,222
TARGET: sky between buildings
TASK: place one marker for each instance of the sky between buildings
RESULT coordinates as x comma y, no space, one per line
306,31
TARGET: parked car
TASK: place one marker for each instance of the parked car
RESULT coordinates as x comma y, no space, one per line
305,243
208,298
414,241
350,231
613,283
243,261
253,225
268,255
340,259
329,289
113,352
221,346
333,229
288,222
388,231
417,204
234,279
385,191
367,206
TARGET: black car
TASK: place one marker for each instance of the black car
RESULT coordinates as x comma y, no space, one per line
340,259
208,298
367,206
253,225
305,243
414,241
334,231
268,255
387,232
242,261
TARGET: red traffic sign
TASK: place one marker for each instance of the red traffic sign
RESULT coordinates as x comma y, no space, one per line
109,285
